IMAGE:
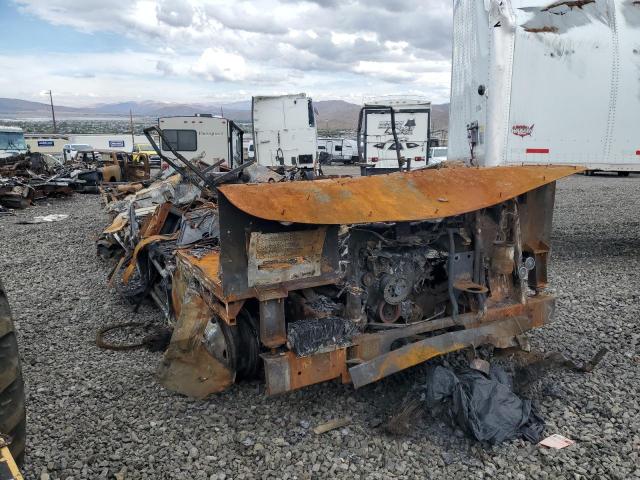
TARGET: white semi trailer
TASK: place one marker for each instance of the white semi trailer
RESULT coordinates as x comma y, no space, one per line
284,131
544,82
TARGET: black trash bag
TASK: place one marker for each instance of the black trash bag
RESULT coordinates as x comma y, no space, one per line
483,406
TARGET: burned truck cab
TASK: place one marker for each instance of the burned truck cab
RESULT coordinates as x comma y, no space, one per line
359,278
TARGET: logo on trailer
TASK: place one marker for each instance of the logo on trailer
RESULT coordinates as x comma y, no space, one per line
45,143
405,128
116,143
522,130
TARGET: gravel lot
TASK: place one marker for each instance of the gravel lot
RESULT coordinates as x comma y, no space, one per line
95,414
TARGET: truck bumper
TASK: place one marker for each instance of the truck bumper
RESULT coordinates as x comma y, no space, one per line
371,357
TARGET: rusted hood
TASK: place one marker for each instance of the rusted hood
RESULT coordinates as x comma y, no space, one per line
401,197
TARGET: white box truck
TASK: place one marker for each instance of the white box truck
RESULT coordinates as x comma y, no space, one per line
204,138
43,143
12,142
284,131
542,82
378,142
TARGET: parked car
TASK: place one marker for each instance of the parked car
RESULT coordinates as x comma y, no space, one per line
437,155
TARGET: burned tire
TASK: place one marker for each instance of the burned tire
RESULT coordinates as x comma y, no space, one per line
12,405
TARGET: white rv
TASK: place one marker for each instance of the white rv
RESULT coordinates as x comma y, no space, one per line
379,148
204,138
542,82
284,131
12,142
343,150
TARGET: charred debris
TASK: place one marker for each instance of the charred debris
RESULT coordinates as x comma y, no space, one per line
27,178
343,278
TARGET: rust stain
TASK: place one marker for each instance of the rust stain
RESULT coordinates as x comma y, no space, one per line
395,197
546,29
208,264
570,3
317,368
118,224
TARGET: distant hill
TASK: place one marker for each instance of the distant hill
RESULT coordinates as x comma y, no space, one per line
23,108
440,117
341,115
332,114
337,114
13,106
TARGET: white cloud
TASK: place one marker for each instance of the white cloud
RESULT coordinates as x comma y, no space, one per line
350,47
216,64
175,13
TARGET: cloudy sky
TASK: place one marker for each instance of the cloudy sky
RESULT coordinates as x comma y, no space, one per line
93,51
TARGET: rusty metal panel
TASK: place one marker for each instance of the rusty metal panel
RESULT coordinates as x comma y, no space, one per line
397,197
236,228
273,330
285,371
367,346
187,367
418,352
283,256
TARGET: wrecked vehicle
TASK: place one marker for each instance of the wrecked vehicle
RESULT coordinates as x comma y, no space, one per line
99,166
28,177
351,278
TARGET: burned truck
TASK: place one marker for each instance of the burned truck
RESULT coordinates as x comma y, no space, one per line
350,278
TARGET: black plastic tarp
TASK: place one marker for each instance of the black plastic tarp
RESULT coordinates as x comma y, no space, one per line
483,406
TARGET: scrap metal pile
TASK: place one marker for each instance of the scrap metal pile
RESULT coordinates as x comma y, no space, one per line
29,177
351,278
26,178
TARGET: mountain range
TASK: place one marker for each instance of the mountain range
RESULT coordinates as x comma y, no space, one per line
332,114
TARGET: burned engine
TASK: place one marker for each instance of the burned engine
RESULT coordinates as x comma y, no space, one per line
408,272
401,273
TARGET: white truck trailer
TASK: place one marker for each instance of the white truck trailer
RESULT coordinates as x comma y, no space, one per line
203,137
544,82
384,149
284,131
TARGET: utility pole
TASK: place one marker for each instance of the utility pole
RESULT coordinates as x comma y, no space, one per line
53,113
133,138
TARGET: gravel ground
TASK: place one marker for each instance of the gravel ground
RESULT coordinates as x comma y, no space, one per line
96,414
